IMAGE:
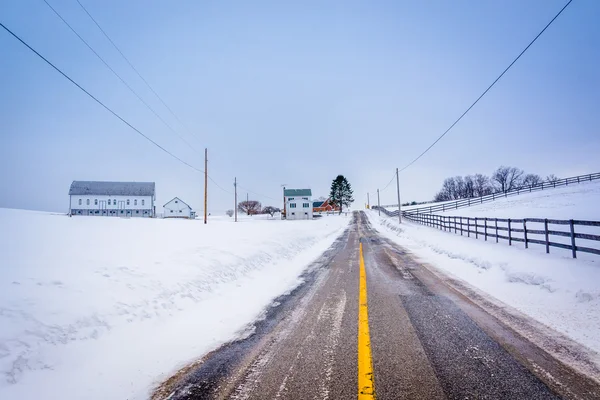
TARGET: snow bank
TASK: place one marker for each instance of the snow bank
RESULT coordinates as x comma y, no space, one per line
99,308
558,291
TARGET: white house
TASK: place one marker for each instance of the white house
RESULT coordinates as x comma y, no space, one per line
298,203
112,199
177,208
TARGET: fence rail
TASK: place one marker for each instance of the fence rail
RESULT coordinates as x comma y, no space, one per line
545,232
454,205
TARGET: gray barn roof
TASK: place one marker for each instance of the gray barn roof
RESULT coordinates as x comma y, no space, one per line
112,188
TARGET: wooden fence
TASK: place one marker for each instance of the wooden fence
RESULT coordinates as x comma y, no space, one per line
454,205
545,232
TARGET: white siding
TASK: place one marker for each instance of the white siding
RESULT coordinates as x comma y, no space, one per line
118,205
103,202
177,209
299,211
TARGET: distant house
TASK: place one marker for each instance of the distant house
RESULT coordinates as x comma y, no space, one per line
177,208
112,199
324,206
298,203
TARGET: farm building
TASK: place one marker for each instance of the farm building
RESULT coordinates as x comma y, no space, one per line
112,199
177,208
298,204
324,206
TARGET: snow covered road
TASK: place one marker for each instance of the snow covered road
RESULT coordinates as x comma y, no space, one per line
119,304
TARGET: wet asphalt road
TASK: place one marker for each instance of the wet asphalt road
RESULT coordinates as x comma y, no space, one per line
426,343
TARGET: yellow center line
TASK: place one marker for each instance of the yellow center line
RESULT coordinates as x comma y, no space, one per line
366,382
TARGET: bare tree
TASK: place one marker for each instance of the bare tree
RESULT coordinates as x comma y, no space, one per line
551,178
229,213
250,207
481,185
448,190
460,188
507,178
469,189
270,210
531,180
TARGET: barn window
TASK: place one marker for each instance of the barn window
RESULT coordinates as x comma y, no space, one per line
88,202
79,201
137,211
95,202
121,211
171,211
305,205
135,202
142,201
127,201
176,202
180,211
292,205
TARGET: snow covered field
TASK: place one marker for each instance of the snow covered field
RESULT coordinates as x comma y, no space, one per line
104,308
577,201
554,289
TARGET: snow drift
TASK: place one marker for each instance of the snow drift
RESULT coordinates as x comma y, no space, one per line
98,307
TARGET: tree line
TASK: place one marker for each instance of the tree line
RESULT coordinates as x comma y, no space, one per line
503,179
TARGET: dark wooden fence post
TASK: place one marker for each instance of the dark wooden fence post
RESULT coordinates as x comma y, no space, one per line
525,232
461,225
485,227
546,233
573,238
476,230
468,227
454,225
509,234
496,230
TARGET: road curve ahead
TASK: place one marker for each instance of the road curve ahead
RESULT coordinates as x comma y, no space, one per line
371,322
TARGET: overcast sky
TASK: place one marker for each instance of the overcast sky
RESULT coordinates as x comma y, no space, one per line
294,93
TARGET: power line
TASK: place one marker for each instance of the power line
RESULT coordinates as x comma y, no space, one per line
257,194
488,89
98,101
119,77
217,185
388,184
132,67
114,113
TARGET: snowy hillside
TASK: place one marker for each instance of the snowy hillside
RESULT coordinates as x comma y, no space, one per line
103,308
578,201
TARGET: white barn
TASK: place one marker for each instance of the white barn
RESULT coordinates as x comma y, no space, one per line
177,208
298,203
112,199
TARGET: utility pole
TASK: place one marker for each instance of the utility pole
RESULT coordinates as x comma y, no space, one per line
368,201
284,210
378,204
205,184
235,190
398,188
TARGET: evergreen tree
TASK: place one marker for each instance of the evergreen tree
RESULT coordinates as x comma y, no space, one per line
341,192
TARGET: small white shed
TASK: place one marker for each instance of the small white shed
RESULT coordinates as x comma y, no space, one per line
177,208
